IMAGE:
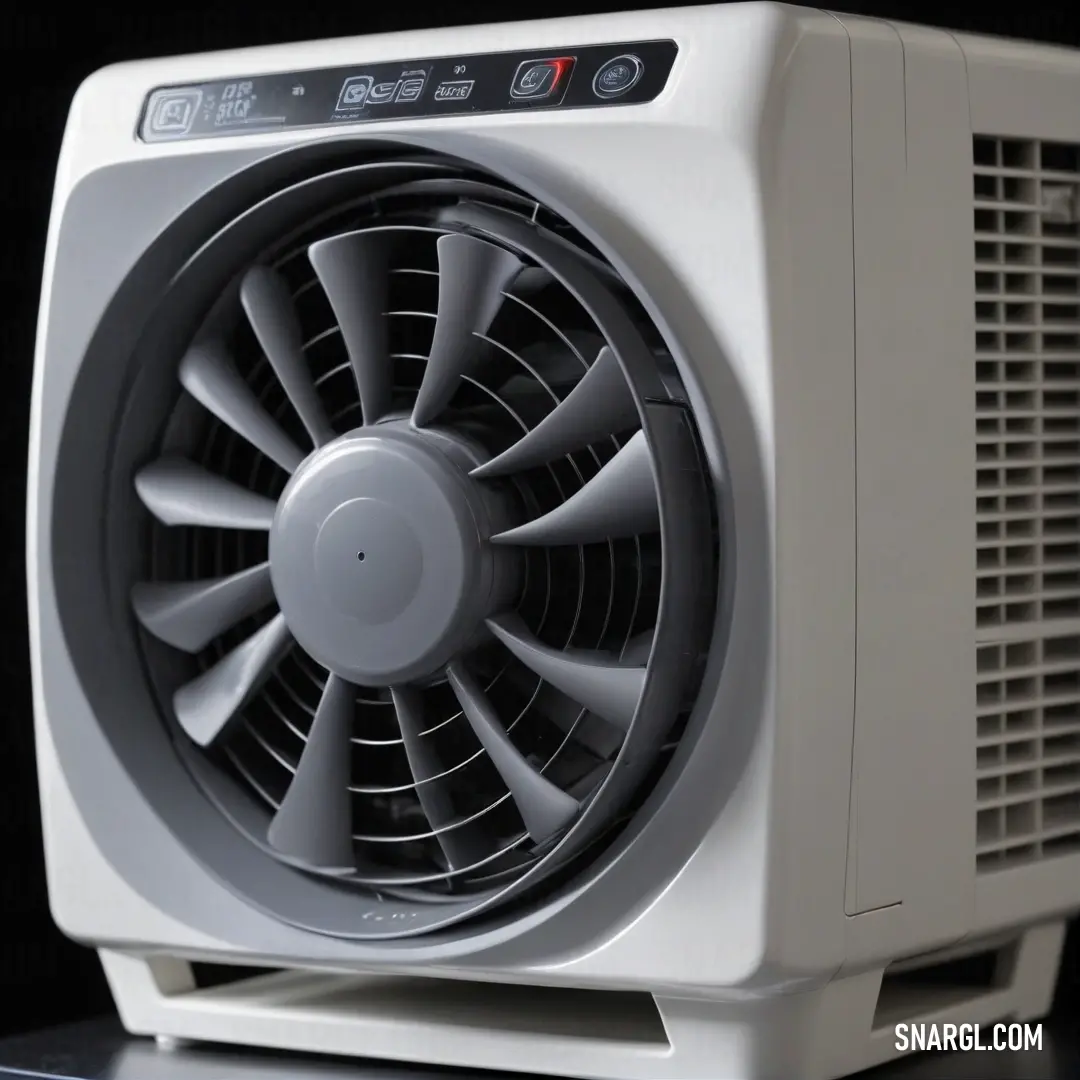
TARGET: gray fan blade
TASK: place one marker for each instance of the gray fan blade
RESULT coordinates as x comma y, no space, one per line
205,706
638,649
560,366
189,615
532,280
270,310
179,492
458,845
313,825
352,269
600,405
208,376
619,501
544,808
605,687
472,277
595,735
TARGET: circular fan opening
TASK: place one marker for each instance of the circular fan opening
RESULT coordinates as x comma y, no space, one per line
431,562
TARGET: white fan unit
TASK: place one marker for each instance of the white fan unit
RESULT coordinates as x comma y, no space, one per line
556,547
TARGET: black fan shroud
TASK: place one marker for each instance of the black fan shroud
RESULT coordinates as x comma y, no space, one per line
446,328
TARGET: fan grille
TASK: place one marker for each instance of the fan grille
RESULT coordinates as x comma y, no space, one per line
592,598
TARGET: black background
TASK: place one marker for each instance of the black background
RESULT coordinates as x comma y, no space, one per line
47,49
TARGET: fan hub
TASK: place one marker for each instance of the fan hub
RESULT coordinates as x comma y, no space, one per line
369,562
379,555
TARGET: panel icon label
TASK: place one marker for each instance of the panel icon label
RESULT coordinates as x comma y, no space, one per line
411,86
172,112
354,93
382,93
454,90
536,80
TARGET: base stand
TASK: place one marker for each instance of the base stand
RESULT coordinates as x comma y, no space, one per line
837,1029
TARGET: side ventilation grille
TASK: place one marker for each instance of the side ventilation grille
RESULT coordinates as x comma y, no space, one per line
1027,362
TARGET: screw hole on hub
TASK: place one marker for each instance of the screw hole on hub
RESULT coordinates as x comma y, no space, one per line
360,556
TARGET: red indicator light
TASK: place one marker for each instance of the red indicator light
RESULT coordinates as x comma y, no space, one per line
538,79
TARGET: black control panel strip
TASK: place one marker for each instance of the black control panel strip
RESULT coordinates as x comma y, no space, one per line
570,78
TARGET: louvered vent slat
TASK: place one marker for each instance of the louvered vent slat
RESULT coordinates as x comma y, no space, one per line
1027,372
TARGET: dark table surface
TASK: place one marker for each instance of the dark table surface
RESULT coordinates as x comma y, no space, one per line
99,1050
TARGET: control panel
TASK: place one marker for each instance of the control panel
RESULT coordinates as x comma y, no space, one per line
570,78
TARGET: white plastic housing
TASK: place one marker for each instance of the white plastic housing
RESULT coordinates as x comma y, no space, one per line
807,180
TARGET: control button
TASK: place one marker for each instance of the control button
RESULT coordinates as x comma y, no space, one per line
411,86
617,76
354,92
454,90
381,93
172,112
535,80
